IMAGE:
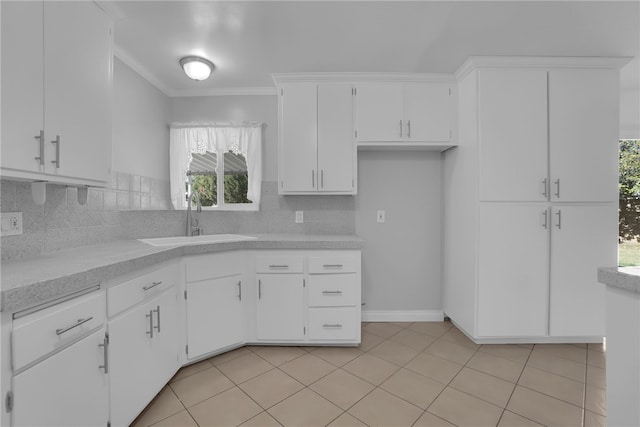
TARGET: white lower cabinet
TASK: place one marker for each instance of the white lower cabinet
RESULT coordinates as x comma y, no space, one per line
215,307
143,350
66,389
280,307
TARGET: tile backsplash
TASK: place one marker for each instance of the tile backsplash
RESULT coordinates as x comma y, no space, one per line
134,207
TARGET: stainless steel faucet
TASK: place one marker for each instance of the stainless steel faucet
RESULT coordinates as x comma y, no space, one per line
193,230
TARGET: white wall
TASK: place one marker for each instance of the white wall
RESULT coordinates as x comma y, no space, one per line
401,258
140,125
236,109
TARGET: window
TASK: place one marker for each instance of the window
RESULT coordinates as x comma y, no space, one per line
629,207
222,163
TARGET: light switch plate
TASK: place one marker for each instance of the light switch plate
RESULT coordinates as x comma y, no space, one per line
299,217
11,223
381,216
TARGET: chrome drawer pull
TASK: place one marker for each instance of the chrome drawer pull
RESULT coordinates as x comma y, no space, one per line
331,292
153,285
337,325
279,266
78,323
332,265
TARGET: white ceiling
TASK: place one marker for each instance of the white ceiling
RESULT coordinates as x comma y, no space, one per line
250,40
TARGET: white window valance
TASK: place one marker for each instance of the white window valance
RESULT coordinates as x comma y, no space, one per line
240,138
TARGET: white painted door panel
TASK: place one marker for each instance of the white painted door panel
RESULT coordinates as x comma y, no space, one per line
214,315
298,148
67,389
583,126
427,111
380,111
583,239
280,307
513,288
22,84
336,144
513,135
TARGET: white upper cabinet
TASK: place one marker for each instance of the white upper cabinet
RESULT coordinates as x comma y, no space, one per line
316,150
409,112
56,98
583,126
513,134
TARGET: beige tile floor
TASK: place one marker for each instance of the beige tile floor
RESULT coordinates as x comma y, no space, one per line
403,374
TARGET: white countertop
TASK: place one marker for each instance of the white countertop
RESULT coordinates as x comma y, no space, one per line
32,281
626,278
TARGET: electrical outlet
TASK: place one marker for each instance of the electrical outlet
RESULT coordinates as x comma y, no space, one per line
11,223
299,217
381,216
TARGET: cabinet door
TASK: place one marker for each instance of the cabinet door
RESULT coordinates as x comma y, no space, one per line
67,389
584,238
513,135
298,158
215,317
513,287
135,351
336,145
77,84
380,112
583,132
280,307
427,109
22,85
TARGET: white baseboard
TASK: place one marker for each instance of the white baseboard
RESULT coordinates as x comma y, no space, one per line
402,316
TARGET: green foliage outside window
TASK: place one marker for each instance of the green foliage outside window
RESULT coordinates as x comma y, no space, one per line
235,188
629,190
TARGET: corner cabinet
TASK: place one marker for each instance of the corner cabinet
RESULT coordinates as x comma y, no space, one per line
316,147
56,111
539,136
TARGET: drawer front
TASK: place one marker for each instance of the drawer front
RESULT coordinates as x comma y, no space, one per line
279,264
331,264
42,332
334,324
332,290
214,266
129,293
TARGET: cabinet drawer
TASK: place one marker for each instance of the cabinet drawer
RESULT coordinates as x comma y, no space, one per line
333,264
44,331
214,266
332,290
279,264
330,324
133,291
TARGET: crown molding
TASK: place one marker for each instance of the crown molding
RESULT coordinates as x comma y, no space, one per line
122,55
281,78
231,91
474,62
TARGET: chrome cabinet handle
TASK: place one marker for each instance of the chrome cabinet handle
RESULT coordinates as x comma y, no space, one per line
105,345
41,139
259,289
409,129
400,128
331,292
75,325
321,178
240,290
544,187
337,325
559,215
544,222
150,316
313,178
332,265
557,183
279,266
57,160
153,285
157,311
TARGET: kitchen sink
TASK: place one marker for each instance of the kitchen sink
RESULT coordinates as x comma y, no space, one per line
196,240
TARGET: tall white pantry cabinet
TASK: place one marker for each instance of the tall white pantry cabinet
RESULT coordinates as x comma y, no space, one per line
530,198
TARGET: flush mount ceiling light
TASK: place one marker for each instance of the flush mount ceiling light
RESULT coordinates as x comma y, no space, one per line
196,68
